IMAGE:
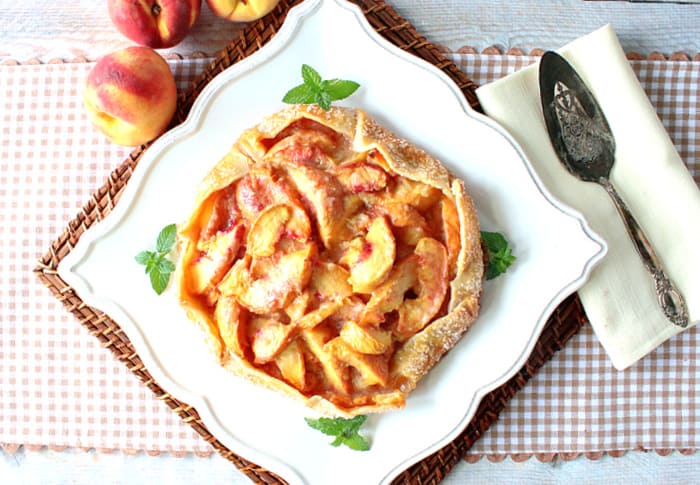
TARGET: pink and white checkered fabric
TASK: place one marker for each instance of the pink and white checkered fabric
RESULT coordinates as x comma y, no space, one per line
58,388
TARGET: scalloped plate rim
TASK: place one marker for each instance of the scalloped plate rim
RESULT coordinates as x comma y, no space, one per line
189,127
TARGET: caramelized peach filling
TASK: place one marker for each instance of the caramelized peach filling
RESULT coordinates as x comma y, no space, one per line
320,262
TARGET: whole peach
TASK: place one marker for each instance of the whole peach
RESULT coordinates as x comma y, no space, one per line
154,23
130,95
242,10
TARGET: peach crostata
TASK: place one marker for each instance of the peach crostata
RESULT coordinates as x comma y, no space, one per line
331,260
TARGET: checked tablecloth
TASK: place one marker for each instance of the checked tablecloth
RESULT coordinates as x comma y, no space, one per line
59,389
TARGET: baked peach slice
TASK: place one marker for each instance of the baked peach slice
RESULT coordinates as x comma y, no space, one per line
447,219
219,213
298,305
317,316
409,225
430,287
417,194
309,143
388,296
425,273
268,337
323,197
231,319
267,230
292,365
370,258
352,310
261,188
274,290
336,373
361,177
216,257
374,369
366,340
329,281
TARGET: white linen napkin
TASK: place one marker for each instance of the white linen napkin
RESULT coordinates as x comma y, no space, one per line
619,298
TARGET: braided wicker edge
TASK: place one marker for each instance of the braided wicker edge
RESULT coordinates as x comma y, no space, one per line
564,323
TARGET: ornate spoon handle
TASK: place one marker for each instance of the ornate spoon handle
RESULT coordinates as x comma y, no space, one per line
670,299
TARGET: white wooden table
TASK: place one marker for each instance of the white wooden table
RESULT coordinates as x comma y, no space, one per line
47,30
44,30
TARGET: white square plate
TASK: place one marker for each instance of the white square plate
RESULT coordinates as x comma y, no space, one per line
555,249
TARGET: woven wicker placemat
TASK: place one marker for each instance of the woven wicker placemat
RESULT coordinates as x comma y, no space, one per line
564,323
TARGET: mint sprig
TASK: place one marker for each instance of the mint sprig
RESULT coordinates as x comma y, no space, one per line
158,266
316,90
500,257
346,431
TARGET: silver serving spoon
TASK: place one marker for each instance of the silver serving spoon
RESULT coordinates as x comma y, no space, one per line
582,139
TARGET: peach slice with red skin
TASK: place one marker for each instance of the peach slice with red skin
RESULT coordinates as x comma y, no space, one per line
374,369
267,230
431,287
336,373
271,291
404,215
307,142
424,272
388,296
268,337
361,177
231,319
409,225
217,256
412,192
447,219
352,309
261,187
219,213
323,198
370,259
366,340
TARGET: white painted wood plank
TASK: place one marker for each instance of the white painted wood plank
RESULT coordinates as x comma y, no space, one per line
529,24
87,467
46,29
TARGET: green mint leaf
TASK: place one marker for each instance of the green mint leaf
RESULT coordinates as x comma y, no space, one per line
329,426
159,281
356,442
152,264
338,441
495,241
323,99
345,431
165,265
166,239
492,272
144,257
500,257
316,90
339,88
300,94
158,266
311,77
354,424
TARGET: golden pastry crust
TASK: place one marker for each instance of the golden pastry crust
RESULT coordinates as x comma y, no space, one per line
331,260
